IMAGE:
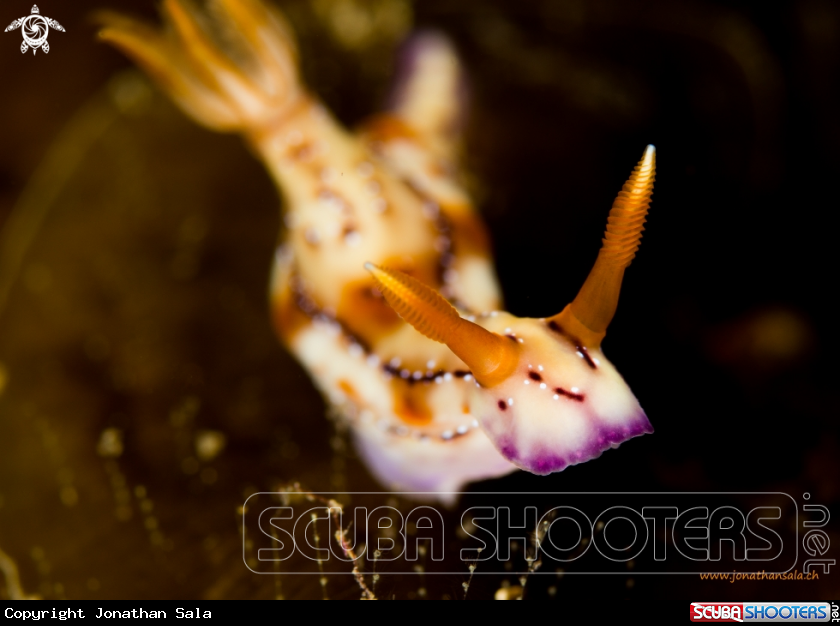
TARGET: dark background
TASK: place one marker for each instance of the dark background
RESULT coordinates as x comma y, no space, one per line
136,249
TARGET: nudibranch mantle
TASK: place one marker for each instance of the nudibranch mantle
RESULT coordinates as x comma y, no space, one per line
381,240
556,409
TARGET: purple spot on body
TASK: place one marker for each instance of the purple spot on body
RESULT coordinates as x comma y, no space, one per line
509,451
586,357
607,436
547,464
542,460
578,346
572,396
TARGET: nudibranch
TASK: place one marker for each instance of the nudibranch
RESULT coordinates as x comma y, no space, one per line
383,285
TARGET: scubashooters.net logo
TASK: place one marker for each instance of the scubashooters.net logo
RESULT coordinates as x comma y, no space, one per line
35,29
797,612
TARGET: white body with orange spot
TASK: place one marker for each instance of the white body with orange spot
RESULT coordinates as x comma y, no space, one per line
468,400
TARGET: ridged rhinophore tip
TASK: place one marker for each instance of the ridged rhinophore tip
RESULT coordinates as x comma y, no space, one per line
490,357
594,307
627,217
649,156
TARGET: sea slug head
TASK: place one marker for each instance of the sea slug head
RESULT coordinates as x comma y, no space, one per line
544,392
563,402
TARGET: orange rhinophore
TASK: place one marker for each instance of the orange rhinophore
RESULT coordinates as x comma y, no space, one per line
383,286
490,357
594,307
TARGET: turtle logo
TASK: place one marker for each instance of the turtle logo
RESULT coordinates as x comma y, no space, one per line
35,29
